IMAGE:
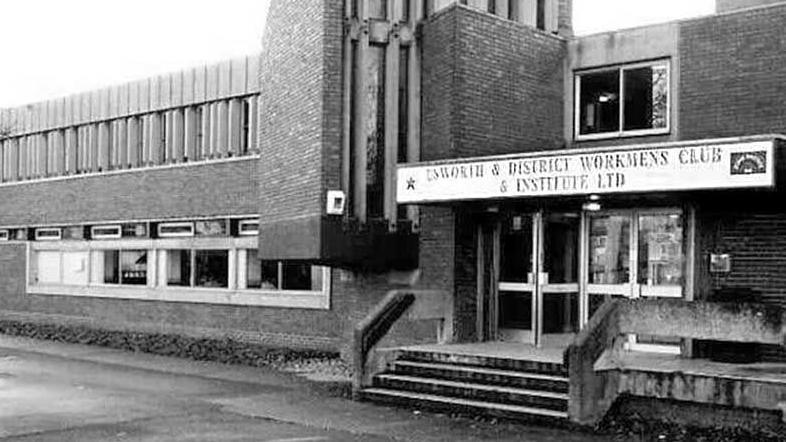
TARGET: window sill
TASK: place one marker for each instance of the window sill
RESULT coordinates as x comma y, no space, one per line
255,298
625,134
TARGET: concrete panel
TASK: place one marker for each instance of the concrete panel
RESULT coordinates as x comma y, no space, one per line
225,78
176,85
252,73
114,102
200,84
85,104
211,82
239,76
155,93
164,91
625,46
122,100
187,87
705,320
133,97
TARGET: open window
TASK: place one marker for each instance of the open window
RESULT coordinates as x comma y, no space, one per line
622,101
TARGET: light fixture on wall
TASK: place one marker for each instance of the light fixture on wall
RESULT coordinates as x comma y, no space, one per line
593,205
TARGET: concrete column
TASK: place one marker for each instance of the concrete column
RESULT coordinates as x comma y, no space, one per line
93,150
120,151
190,124
235,129
205,139
178,135
253,121
133,130
104,145
359,153
223,128
393,54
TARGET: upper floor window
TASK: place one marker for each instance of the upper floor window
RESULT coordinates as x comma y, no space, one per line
622,101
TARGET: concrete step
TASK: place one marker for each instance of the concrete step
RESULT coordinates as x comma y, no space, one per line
432,401
473,391
513,364
482,375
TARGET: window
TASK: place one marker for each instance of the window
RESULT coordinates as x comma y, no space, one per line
105,232
623,101
212,268
282,275
178,268
48,234
248,227
173,230
126,267
4,235
199,271
211,228
133,267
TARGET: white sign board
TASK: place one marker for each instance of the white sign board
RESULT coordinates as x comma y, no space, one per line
645,169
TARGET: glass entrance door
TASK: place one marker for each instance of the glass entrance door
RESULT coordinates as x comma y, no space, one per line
633,254
516,293
538,293
558,285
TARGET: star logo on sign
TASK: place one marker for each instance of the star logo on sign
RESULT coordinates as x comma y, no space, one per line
411,183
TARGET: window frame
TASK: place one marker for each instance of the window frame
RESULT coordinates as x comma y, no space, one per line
40,237
247,222
118,235
621,132
176,234
156,288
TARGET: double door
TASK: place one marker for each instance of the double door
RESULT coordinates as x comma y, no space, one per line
535,297
546,273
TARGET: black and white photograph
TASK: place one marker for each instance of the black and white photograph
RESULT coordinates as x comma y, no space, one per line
392,220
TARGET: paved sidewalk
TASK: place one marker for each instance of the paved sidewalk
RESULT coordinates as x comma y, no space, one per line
54,391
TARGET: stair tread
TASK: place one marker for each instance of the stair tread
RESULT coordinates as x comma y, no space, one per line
486,387
467,402
484,370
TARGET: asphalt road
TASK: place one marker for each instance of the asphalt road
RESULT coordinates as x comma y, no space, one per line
63,392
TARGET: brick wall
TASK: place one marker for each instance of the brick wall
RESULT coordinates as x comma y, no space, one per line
752,231
202,190
732,74
481,76
730,5
300,119
353,296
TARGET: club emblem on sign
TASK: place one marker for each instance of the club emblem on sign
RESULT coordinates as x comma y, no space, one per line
747,163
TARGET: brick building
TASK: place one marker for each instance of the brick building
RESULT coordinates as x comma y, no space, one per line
509,177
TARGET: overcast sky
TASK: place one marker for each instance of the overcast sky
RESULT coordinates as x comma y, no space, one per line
51,48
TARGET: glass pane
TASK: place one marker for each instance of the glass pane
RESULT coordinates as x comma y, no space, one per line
75,268
515,310
212,268
48,267
106,267
211,228
560,312
375,130
178,272
661,253
646,97
599,103
261,274
516,249
609,250
560,248
300,277
133,267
